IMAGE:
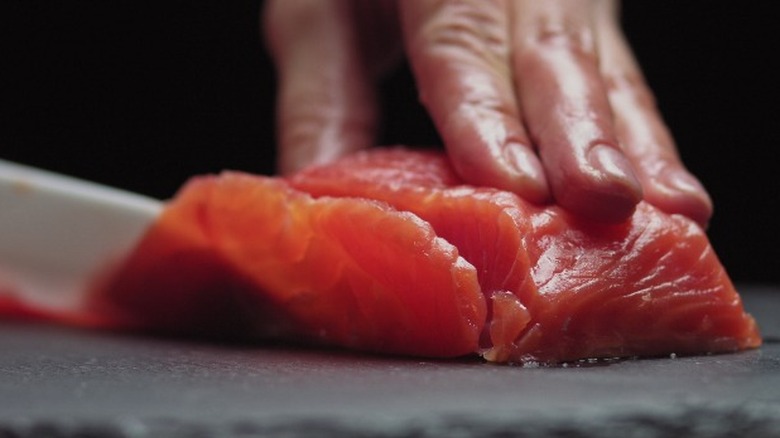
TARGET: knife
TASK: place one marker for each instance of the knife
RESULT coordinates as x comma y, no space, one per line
58,232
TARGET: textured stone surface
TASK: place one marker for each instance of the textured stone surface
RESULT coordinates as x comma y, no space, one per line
57,382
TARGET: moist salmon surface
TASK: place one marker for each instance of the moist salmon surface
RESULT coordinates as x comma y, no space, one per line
560,288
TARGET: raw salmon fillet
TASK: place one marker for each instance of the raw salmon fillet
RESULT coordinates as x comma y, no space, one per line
388,251
559,288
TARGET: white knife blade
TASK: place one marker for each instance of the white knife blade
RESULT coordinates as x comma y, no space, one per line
58,232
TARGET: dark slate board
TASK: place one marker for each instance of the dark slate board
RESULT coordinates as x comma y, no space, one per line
57,382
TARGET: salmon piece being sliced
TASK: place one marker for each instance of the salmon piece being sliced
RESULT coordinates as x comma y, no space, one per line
388,251
560,288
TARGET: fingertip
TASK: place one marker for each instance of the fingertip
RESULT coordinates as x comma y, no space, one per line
610,206
609,167
602,187
677,191
525,173
512,167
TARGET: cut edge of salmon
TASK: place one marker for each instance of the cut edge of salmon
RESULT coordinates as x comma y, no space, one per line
302,258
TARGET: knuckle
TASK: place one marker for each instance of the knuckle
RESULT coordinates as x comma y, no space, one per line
487,107
465,28
301,127
629,83
305,117
562,36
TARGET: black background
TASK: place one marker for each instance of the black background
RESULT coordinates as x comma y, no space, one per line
143,94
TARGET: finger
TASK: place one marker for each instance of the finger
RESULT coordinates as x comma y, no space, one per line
458,52
325,106
566,110
639,125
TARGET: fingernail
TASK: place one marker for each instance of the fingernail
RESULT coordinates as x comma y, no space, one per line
523,160
531,177
692,198
683,181
612,164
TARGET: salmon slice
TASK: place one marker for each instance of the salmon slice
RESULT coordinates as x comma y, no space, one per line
248,256
388,251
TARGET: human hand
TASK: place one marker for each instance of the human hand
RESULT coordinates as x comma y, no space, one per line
544,99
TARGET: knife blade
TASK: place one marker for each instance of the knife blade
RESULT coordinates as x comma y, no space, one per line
57,232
